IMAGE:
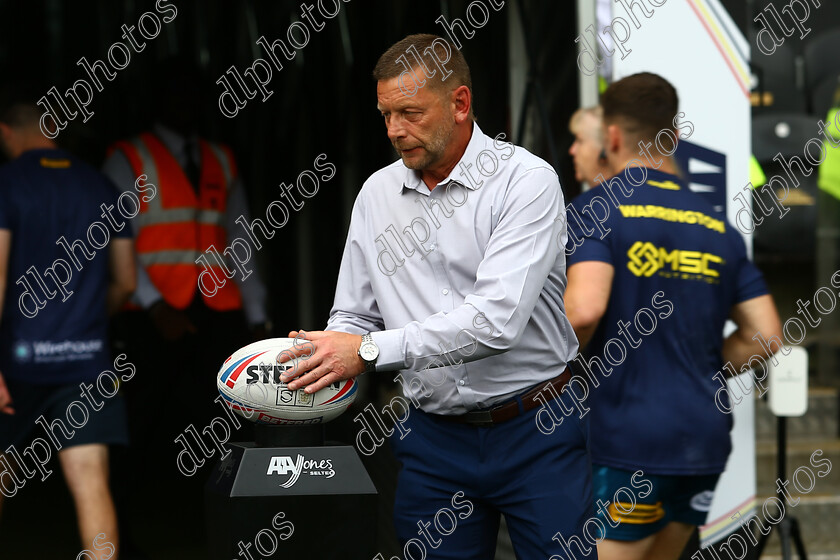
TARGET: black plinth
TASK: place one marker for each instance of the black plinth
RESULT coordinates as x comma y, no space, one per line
291,501
288,436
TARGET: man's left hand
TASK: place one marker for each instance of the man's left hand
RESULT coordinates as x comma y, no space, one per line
330,357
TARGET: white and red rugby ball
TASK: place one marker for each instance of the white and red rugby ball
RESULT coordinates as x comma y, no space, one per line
250,384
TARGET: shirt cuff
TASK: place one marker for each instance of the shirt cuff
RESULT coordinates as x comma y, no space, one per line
146,295
254,312
391,356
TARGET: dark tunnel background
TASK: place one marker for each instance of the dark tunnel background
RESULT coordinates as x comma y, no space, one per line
323,102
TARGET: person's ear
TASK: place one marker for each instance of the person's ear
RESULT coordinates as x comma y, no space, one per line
614,139
461,100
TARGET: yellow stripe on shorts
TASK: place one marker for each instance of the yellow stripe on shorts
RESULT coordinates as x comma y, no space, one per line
636,514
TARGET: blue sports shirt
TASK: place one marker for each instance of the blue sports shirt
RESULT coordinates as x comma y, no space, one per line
46,195
679,269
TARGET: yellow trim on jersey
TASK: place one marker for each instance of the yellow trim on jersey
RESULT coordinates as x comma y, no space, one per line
667,185
55,163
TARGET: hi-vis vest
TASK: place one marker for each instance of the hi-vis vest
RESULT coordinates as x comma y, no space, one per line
828,174
176,226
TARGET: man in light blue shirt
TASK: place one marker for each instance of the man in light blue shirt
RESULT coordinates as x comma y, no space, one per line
452,277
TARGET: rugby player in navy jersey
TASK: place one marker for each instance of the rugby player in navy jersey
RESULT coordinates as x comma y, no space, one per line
54,304
661,275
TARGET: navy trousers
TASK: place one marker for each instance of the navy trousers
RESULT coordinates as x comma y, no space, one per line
456,479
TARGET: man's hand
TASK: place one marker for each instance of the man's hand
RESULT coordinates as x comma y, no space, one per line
171,323
330,357
5,398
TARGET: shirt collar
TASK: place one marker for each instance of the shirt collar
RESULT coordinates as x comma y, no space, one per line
173,140
661,176
476,144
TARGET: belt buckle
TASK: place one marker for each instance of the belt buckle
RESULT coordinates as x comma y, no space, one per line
480,418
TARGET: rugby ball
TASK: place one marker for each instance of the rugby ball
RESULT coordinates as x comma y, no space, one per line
249,382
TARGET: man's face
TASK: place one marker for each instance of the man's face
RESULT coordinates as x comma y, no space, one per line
586,149
419,127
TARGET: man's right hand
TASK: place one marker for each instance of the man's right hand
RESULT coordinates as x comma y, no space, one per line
171,323
5,398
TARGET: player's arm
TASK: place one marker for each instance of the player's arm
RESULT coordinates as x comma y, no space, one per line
123,274
5,246
587,296
751,317
119,171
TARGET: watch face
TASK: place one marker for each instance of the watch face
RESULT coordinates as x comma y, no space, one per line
369,352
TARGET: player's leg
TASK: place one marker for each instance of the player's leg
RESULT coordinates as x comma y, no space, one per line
630,506
670,541
438,506
85,469
688,505
611,549
85,462
544,487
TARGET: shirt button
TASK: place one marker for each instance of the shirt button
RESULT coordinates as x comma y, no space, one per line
445,292
462,382
433,246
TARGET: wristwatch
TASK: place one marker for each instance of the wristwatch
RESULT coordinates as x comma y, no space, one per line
368,352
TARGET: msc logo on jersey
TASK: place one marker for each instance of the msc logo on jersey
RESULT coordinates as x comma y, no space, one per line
646,259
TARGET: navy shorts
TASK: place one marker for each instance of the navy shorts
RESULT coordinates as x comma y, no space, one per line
640,504
66,413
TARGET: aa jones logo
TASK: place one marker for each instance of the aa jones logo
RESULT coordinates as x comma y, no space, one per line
284,466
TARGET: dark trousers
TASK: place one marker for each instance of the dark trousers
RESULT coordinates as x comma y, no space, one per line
456,479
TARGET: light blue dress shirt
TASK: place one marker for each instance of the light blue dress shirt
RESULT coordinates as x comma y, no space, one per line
462,286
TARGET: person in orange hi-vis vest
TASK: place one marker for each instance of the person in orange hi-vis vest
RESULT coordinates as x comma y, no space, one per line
178,334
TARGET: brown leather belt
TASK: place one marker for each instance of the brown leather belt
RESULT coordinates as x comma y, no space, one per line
507,411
